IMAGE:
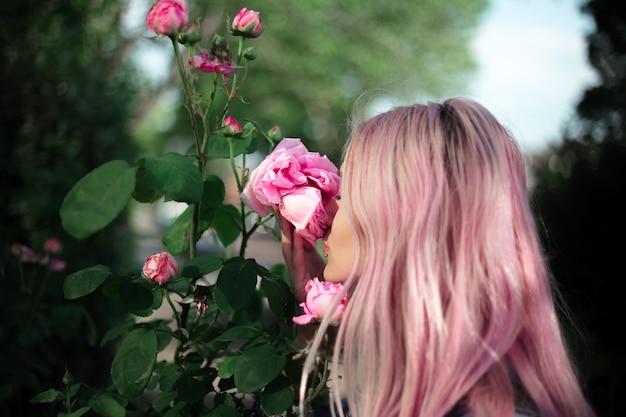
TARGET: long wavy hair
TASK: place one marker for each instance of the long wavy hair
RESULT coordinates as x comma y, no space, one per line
454,309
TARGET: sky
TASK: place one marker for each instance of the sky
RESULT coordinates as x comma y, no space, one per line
532,66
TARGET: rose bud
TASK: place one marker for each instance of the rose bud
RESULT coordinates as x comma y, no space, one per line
53,246
231,127
247,23
160,268
168,17
319,296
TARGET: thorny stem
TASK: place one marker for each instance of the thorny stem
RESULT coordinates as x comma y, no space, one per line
179,322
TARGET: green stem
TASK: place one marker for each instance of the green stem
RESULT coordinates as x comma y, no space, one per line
187,93
193,233
322,383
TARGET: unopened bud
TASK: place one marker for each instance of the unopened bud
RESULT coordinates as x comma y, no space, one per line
275,134
190,36
68,378
250,53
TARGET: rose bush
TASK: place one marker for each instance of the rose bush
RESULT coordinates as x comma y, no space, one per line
224,356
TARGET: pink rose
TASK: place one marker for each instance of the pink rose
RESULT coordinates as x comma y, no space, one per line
53,246
23,252
57,264
160,268
167,17
310,180
247,23
319,296
304,209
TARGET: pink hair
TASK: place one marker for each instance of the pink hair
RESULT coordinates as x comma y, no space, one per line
454,307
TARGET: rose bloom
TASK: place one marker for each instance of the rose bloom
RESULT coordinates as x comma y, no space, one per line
247,23
319,296
160,268
53,246
167,17
297,180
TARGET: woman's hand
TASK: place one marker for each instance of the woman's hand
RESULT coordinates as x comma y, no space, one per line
302,259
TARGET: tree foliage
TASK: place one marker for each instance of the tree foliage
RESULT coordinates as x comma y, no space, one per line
65,105
581,198
318,56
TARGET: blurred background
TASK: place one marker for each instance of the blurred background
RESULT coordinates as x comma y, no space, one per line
83,83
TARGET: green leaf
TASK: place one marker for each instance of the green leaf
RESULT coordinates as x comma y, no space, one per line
81,411
135,297
278,396
226,369
176,410
116,331
189,389
176,237
145,190
201,265
279,296
227,224
179,285
220,148
240,332
85,281
177,176
97,199
133,362
107,406
258,367
48,396
214,191
163,399
235,284
223,411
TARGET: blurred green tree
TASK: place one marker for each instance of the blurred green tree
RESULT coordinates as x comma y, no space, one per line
65,96
581,198
316,57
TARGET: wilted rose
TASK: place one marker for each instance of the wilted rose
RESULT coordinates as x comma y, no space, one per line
209,63
247,23
160,268
309,179
167,17
319,296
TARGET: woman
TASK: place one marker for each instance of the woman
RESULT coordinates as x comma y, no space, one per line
451,312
